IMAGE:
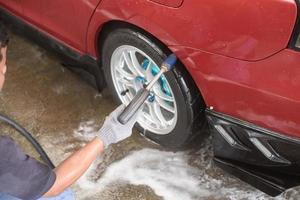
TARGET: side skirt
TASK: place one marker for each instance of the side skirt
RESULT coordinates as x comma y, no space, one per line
266,160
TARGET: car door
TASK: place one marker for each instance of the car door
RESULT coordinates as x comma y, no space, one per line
13,5
32,11
67,20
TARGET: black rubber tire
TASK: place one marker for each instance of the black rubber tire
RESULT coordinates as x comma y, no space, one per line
190,105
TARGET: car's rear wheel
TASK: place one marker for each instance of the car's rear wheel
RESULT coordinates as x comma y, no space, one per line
174,113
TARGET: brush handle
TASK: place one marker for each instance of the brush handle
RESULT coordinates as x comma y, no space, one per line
169,62
133,106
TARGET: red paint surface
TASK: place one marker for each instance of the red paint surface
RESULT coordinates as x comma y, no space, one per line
13,5
265,92
170,3
235,50
243,29
68,20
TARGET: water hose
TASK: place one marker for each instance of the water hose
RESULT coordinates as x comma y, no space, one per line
29,138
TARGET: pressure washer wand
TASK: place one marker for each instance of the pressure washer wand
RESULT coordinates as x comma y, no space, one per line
144,93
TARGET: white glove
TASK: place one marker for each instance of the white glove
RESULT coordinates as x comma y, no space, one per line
113,131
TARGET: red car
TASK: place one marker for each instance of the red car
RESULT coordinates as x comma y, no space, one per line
239,67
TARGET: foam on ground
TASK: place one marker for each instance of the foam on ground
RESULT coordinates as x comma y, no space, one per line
168,174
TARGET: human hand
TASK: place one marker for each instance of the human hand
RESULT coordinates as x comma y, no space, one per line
113,131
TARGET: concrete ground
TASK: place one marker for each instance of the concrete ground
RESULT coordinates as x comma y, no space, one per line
64,112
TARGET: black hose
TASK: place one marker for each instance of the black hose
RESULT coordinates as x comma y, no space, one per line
30,138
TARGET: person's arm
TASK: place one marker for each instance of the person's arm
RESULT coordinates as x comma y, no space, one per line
71,169
74,166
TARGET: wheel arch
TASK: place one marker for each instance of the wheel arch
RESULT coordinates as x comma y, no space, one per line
191,103
112,25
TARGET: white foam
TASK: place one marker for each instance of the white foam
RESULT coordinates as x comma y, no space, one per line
167,173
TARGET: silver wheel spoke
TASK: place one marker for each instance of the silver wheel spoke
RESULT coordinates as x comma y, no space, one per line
128,83
161,94
165,105
149,115
159,115
136,64
131,65
149,118
148,73
123,73
153,114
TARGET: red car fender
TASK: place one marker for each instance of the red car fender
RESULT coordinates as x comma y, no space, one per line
264,93
110,11
242,29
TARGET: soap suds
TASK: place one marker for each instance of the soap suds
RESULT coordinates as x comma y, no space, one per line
172,176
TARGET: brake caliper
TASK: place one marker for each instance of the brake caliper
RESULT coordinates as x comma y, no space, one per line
162,80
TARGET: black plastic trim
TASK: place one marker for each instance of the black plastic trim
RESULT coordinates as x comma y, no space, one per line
252,126
252,178
296,31
269,161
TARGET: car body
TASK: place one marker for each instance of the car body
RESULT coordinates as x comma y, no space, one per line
242,55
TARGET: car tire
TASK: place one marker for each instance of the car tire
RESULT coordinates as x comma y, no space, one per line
190,105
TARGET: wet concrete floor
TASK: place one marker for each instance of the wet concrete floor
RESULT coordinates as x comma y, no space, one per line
64,112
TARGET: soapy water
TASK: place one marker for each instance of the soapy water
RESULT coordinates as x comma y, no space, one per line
167,173
172,176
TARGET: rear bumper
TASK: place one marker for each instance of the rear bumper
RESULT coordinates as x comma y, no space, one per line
267,160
